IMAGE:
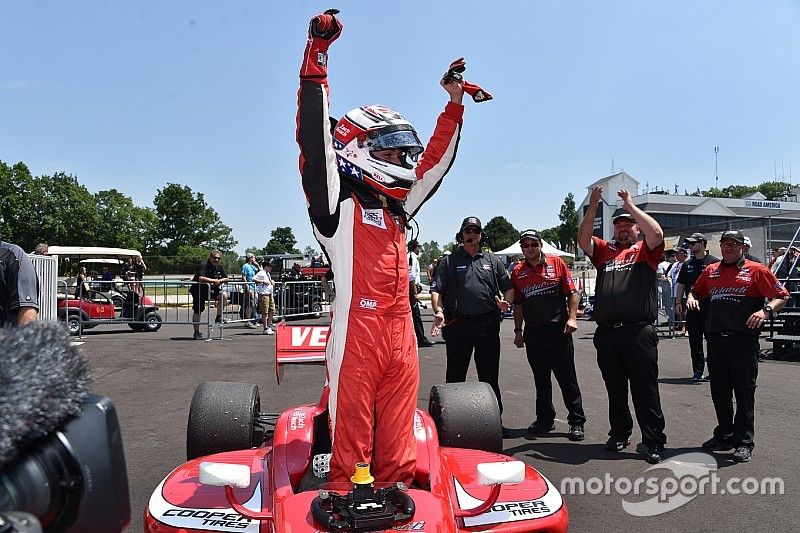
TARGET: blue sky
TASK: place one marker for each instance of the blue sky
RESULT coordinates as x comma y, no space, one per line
135,95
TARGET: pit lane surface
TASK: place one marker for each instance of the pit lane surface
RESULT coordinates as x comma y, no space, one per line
151,378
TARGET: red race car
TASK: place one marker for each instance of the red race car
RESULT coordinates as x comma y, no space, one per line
242,476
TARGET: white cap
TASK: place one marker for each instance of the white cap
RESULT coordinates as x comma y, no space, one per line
446,252
747,241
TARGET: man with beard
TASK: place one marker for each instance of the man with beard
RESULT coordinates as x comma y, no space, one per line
625,309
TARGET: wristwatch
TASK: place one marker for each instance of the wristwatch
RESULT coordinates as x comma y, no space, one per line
768,310
517,330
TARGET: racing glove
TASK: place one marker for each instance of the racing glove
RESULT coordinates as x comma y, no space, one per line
322,31
455,73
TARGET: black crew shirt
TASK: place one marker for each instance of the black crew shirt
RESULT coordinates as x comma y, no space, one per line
691,270
210,270
468,285
18,283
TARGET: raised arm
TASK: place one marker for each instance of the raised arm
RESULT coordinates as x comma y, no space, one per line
318,168
586,228
653,234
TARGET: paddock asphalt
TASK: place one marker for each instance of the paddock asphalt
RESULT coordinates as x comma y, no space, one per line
151,378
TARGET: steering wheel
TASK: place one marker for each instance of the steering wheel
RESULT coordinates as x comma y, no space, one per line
363,508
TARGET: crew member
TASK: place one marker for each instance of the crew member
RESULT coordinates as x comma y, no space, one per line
625,309
690,271
546,298
362,183
467,305
19,287
734,292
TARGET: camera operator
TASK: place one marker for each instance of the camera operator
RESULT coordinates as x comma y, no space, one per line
19,298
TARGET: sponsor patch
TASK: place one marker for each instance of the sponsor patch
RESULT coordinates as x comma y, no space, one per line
373,217
368,303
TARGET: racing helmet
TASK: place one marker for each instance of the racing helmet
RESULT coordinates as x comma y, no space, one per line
359,139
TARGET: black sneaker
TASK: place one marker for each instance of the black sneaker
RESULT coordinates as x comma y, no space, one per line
425,344
615,445
715,444
197,336
540,427
576,432
654,454
697,377
742,454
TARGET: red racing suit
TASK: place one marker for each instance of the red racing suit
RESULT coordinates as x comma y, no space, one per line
372,366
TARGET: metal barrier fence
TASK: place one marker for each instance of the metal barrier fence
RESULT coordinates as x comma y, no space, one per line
46,268
146,305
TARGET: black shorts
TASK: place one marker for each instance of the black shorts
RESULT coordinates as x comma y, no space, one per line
200,296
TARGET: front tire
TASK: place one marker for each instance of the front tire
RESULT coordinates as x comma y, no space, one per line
467,415
152,322
74,324
222,418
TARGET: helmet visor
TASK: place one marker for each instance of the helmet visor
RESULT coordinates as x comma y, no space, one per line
406,140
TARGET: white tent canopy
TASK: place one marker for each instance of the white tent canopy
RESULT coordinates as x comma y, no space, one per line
515,251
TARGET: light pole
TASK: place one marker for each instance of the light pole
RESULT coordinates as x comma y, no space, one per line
716,167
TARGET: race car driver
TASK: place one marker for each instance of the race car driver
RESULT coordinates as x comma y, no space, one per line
362,182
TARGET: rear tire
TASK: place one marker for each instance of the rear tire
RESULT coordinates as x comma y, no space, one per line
222,418
74,324
467,415
153,322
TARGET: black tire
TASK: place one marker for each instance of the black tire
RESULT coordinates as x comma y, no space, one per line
74,324
467,415
316,308
222,418
152,322
118,302
135,327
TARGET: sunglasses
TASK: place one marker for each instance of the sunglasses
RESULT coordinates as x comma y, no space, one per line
216,257
530,245
472,230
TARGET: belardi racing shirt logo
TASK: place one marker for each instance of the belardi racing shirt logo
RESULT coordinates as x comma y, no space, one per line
538,289
619,265
733,294
373,217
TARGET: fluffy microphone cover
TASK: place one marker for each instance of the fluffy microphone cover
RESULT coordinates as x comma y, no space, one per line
43,381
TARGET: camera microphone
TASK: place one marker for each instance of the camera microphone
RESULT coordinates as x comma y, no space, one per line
43,382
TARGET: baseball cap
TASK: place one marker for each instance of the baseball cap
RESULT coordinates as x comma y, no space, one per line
694,237
623,215
734,234
682,250
747,241
530,234
471,221
413,243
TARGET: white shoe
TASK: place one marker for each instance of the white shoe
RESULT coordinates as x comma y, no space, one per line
270,332
251,325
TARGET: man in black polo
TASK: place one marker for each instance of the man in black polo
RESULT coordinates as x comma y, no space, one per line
210,277
467,305
734,292
625,309
690,271
19,294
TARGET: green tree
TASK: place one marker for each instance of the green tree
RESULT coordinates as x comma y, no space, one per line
310,252
774,189
500,234
184,218
428,251
19,195
568,229
282,241
551,235
122,224
66,212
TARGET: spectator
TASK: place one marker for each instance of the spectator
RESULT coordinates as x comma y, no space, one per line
249,270
681,254
413,294
690,271
546,299
296,273
265,287
468,308
209,278
81,285
362,180
19,287
774,261
107,278
625,309
732,324
432,269
138,267
41,249
666,297
747,245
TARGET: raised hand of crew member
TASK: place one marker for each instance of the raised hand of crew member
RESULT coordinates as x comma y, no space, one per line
595,196
626,197
571,326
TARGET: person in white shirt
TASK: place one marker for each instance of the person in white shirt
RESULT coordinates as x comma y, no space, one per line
266,301
413,294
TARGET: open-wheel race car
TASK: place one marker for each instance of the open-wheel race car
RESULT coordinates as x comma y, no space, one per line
257,472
